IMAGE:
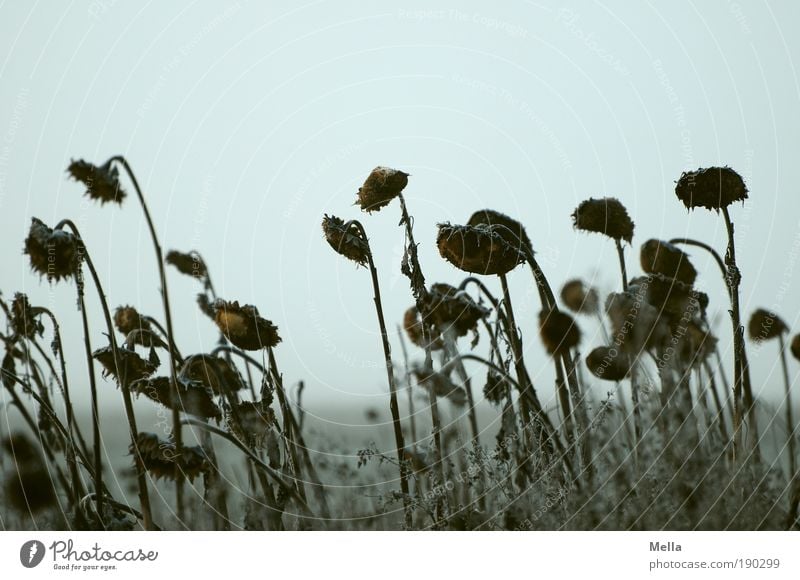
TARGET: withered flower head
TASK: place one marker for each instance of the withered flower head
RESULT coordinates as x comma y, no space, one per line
604,216
449,308
795,346
511,231
29,487
244,327
765,325
413,326
251,423
24,318
381,187
558,331
477,249
711,188
215,372
635,323
579,297
159,458
347,242
608,363
440,384
102,183
672,299
132,367
53,253
191,264
190,397
659,257
496,388
127,319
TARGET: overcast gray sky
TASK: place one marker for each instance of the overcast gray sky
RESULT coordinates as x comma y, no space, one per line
247,121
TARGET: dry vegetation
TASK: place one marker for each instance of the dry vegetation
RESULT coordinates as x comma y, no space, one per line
676,444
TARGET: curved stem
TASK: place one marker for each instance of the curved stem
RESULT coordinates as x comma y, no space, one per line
710,250
176,423
144,497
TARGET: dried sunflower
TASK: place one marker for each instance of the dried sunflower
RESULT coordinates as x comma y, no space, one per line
608,363
243,326
604,216
191,397
477,249
765,325
413,325
382,185
579,298
511,231
251,423
53,253
132,367
447,308
191,264
558,331
215,372
102,183
659,257
159,458
440,384
24,318
347,242
795,346
711,188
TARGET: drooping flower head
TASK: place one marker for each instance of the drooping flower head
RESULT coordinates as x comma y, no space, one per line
131,367
663,258
795,346
510,229
215,372
765,325
127,319
448,308
190,264
421,332
580,298
160,458
711,188
345,241
251,422
191,397
604,216
53,253
477,249
102,183
608,363
24,319
382,185
243,326
558,331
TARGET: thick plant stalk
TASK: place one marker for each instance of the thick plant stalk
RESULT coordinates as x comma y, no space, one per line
176,404
790,444
718,406
144,497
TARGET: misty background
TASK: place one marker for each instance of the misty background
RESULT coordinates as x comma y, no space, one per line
245,122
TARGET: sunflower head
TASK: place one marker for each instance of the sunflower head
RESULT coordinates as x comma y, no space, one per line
608,363
580,298
159,458
382,185
663,258
24,318
478,249
102,183
345,241
190,264
765,325
420,331
508,228
605,216
711,188
53,253
243,326
558,331
449,308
